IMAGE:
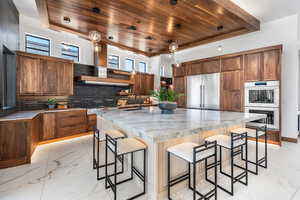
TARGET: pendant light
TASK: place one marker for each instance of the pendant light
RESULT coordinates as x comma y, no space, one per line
95,36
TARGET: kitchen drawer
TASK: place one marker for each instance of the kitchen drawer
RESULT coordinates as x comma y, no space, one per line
70,121
71,130
72,113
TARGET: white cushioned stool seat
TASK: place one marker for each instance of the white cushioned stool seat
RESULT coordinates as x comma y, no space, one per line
128,145
185,151
224,141
114,133
256,125
250,132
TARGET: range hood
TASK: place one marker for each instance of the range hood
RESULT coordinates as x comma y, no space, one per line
104,81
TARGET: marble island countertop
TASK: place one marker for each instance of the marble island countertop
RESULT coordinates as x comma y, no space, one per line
150,124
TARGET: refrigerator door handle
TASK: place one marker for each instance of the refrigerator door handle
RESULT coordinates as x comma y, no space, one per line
200,96
203,96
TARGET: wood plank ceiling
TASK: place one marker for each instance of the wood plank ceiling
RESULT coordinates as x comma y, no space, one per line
148,26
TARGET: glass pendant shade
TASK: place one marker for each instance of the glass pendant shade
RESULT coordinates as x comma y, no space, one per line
95,36
173,47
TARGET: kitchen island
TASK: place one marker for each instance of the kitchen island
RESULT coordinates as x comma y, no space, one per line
160,131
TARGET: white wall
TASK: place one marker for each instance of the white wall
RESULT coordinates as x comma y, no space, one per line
33,26
283,31
123,54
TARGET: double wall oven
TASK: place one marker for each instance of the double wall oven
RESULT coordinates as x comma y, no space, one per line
264,98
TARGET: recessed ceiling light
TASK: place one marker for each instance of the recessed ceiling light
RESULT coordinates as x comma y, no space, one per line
178,26
149,38
173,2
220,48
219,28
96,10
67,20
132,28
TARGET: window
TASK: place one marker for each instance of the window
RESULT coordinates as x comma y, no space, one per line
113,62
129,64
162,71
142,67
70,52
37,45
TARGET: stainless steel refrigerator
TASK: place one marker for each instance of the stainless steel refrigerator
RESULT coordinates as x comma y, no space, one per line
203,91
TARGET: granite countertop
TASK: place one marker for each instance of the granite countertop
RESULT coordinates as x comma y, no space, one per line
150,124
28,115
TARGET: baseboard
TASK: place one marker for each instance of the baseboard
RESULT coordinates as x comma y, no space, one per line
287,139
64,138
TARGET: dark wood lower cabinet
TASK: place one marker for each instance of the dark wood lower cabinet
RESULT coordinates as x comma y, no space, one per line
18,140
71,123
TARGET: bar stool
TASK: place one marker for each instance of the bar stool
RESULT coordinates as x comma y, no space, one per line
120,148
193,154
255,130
232,142
116,134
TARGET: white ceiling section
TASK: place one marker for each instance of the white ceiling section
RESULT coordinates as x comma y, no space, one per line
27,7
268,10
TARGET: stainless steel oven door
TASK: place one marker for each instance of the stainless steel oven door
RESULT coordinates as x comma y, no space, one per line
272,116
262,95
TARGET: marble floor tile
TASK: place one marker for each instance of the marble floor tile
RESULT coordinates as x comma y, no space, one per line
63,171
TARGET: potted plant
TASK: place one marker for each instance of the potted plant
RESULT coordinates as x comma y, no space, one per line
51,103
167,100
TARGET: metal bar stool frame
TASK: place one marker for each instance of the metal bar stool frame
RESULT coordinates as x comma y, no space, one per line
113,184
196,150
96,156
233,154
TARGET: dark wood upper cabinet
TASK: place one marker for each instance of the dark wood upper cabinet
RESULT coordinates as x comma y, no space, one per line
231,91
271,65
29,75
179,71
65,79
43,75
253,63
232,63
179,85
143,83
50,79
210,66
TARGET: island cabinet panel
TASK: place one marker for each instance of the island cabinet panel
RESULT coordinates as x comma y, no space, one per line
231,63
210,66
29,75
179,84
271,65
71,122
231,91
253,63
44,76
49,126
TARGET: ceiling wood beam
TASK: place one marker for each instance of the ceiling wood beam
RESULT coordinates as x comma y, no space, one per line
248,21
207,40
43,11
